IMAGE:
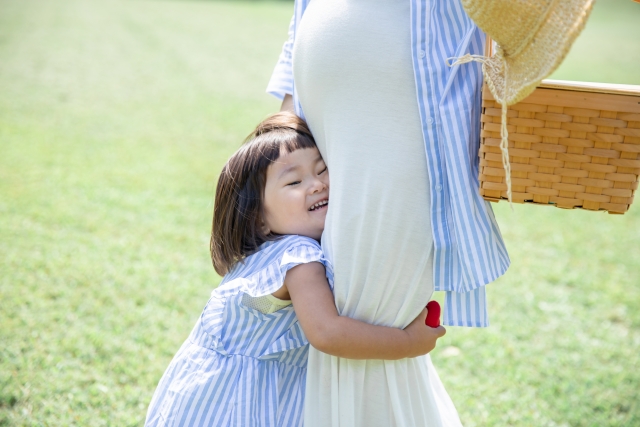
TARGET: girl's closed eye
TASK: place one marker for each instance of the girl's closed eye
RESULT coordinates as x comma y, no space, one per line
294,183
322,171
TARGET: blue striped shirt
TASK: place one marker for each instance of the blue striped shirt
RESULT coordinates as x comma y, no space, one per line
241,367
469,250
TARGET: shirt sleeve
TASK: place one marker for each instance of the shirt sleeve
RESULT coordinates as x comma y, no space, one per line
281,82
466,308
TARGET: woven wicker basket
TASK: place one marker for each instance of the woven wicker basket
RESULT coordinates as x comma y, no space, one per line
571,145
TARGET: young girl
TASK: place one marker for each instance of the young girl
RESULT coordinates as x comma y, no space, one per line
244,363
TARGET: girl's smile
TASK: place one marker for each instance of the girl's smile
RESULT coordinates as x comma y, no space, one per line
320,205
296,194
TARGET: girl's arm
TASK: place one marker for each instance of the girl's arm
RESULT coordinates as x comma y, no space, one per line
342,336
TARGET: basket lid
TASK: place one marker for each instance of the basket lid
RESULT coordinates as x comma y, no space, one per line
611,88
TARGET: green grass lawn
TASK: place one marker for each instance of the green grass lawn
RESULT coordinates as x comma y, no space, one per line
115,119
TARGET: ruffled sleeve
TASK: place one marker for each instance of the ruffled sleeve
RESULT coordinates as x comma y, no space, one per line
286,253
260,274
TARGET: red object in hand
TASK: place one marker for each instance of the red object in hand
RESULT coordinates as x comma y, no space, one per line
433,314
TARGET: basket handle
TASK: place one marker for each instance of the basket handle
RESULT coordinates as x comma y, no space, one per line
488,47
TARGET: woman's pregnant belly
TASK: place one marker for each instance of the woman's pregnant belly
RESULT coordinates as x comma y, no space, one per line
354,78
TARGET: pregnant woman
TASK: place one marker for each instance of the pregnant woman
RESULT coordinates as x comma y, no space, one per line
398,130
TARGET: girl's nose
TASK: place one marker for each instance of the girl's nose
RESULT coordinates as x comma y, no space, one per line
318,186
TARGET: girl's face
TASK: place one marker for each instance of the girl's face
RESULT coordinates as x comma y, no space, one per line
296,195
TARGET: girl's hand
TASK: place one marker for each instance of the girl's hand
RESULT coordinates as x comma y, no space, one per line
423,338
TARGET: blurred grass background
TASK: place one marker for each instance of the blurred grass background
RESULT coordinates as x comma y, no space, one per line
115,119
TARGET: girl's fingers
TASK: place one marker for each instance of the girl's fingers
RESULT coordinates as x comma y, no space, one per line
440,331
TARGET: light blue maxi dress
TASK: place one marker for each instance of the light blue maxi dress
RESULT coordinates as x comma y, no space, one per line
240,367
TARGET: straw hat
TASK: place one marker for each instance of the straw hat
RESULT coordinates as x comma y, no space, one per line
533,37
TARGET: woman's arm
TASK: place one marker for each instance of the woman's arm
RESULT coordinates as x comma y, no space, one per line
287,103
344,337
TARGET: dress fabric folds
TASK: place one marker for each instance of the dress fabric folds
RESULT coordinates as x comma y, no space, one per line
352,67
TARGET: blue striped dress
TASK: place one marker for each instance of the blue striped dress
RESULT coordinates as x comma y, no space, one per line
240,367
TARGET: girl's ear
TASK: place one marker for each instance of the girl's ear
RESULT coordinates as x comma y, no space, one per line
264,227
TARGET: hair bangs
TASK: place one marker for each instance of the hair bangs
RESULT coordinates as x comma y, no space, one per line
296,142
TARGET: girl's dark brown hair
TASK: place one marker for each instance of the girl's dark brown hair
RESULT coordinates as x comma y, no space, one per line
237,214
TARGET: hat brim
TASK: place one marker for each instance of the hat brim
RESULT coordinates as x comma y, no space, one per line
545,52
